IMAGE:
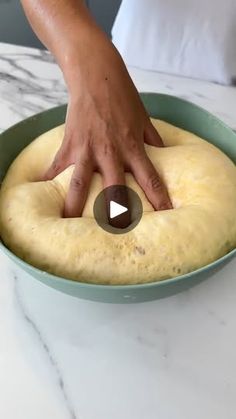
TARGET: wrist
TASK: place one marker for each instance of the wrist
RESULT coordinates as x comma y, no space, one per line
77,52
87,59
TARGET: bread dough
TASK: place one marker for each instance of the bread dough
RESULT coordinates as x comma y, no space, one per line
201,228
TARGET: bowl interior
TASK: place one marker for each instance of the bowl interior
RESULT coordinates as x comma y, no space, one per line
169,108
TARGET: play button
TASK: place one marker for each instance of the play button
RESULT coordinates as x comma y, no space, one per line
117,209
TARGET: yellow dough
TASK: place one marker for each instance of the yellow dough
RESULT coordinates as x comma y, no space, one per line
201,228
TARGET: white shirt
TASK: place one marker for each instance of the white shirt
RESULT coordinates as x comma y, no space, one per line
194,38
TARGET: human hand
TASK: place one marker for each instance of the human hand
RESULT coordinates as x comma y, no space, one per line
106,128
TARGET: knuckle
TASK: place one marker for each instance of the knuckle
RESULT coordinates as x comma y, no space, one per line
77,183
133,146
56,165
83,162
154,183
109,149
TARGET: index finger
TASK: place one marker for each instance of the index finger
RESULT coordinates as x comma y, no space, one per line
79,185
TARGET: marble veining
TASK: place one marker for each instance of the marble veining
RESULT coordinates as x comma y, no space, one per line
66,358
29,83
43,344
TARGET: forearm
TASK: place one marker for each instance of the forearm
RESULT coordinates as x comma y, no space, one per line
67,29
106,122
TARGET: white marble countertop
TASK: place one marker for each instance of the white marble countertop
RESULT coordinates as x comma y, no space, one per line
65,358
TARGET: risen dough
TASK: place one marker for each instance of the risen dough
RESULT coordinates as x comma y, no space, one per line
201,228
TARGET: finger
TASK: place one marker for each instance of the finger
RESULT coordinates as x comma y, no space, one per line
59,164
79,185
112,171
152,137
115,190
151,183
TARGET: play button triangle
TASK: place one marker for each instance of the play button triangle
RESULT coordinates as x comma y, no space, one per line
116,209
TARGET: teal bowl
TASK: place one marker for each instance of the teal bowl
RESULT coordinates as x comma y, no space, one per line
169,108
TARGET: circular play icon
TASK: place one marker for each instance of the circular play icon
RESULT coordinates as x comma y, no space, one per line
117,209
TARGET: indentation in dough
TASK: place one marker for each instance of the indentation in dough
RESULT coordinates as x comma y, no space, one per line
201,182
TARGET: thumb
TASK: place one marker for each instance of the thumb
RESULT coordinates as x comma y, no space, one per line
152,137
59,164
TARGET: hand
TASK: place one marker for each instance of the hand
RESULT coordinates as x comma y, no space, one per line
106,127
106,124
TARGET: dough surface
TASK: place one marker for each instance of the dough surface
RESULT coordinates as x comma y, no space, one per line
201,228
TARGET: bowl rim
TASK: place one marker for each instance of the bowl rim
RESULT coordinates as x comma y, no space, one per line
169,281
129,287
